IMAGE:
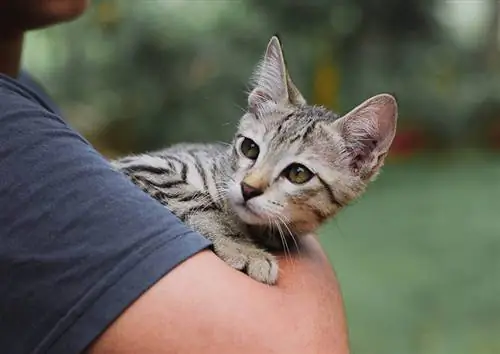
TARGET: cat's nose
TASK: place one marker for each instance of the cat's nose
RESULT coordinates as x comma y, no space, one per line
249,192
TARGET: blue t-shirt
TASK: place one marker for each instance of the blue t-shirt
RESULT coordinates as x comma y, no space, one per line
78,241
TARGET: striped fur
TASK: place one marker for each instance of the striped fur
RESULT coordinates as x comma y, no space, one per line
202,183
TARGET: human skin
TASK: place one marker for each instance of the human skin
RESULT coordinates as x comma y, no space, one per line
203,305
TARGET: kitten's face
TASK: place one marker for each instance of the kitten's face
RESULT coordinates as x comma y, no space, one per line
296,165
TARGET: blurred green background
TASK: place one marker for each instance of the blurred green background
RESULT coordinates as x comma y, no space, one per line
418,256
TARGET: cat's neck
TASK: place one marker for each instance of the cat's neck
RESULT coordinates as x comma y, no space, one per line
273,238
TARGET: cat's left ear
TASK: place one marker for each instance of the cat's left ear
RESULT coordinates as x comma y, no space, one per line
271,80
368,131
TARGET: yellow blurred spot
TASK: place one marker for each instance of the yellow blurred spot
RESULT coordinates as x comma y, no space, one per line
107,12
327,82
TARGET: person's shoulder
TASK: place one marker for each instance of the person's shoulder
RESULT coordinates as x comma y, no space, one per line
26,90
84,233
36,88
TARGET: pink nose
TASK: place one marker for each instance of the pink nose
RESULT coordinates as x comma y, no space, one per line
249,192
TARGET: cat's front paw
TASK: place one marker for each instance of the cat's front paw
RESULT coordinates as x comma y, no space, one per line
262,266
258,264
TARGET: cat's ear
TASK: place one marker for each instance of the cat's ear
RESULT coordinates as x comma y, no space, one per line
368,131
294,95
271,81
270,77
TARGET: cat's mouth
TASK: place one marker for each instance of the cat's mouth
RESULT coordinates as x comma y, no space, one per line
249,215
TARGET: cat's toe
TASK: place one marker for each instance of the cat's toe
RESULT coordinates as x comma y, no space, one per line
258,264
263,268
233,257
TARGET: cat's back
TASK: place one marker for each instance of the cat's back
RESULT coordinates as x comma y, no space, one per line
204,158
184,177
205,151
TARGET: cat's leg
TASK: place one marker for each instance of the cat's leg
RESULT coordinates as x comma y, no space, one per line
234,249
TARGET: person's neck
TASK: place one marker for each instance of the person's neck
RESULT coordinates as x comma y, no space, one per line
11,46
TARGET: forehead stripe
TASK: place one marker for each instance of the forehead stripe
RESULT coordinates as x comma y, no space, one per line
283,122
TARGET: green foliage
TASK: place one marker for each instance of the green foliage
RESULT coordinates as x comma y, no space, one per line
147,63
418,261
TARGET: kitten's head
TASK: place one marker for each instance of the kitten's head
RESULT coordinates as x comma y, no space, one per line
297,164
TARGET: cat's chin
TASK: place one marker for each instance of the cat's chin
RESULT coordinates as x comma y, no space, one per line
247,215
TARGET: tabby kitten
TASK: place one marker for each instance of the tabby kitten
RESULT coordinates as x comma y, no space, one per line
290,167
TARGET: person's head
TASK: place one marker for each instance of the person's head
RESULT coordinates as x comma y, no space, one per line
17,16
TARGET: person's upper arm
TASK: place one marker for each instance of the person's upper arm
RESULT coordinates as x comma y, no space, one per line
78,241
203,306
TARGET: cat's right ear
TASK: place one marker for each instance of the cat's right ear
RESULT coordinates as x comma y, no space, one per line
271,80
270,77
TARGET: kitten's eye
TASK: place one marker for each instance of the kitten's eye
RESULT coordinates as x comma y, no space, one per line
250,149
297,173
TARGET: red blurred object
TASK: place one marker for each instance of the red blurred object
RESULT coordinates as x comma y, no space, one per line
407,142
494,135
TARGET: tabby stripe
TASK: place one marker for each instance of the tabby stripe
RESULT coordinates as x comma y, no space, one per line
184,168
185,213
235,154
313,123
159,196
331,195
146,168
163,184
286,119
125,160
158,184
165,197
214,172
306,137
179,161
193,196
168,184
178,195
170,164
310,128
295,138
201,172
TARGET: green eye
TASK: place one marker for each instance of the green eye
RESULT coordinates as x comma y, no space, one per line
250,149
297,173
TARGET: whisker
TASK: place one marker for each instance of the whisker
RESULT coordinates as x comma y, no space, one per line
286,222
223,142
286,249
277,220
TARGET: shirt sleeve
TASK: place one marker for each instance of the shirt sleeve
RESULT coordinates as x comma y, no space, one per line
78,241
